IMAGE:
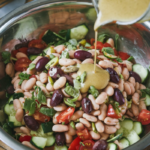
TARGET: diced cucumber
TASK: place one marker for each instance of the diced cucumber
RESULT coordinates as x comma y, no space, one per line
147,100
32,57
50,140
78,32
124,142
47,127
127,124
112,146
12,110
14,122
60,147
91,14
141,71
137,127
119,131
6,109
10,99
119,136
132,137
38,142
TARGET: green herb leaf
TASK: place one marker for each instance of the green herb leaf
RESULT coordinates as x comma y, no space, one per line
64,54
130,58
47,111
30,105
83,77
118,59
41,96
103,37
116,41
6,57
93,91
144,92
31,66
108,50
18,95
23,76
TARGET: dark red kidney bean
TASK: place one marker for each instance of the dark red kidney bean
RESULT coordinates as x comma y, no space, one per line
60,139
113,75
34,51
40,65
135,76
69,79
86,105
118,96
82,55
57,98
31,123
55,72
100,145
10,89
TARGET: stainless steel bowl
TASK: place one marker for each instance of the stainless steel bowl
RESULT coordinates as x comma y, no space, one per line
33,18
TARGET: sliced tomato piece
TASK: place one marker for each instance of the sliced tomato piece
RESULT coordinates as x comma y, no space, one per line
144,117
115,52
75,144
40,117
106,45
14,52
123,55
25,138
111,112
88,145
92,40
37,43
84,134
23,50
65,115
22,64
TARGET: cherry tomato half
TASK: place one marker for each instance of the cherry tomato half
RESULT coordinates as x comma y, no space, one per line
88,145
37,43
14,52
22,64
84,134
144,117
25,138
75,144
23,50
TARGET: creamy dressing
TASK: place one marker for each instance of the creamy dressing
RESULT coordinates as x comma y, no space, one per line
99,79
120,10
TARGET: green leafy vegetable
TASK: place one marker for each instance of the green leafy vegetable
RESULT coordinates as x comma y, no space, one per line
93,91
23,76
130,58
30,105
47,111
118,59
41,96
144,92
18,95
5,82
31,66
103,37
108,50
116,41
64,54
62,33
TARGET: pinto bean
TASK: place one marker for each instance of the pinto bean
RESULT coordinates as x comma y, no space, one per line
101,98
105,64
30,84
95,112
125,73
54,118
19,114
99,126
43,77
95,136
60,128
20,55
123,107
128,64
142,104
23,84
103,110
49,87
17,104
118,69
129,113
114,85
18,130
14,79
109,90
60,107
102,57
132,88
71,131
124,94
79,126
137,86
27,94
135,110
16,84
110,129
66,62
25,130
136,98
59,83
93,52
94,104
78,114
104,136
88,60
71,53
85,122
89,117
68,137
132,80
10,69
121,85
110,121
59,48
127,88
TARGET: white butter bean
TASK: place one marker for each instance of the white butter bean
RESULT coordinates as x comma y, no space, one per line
94,104
30,84
60,83
101,98
60,128
89,117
